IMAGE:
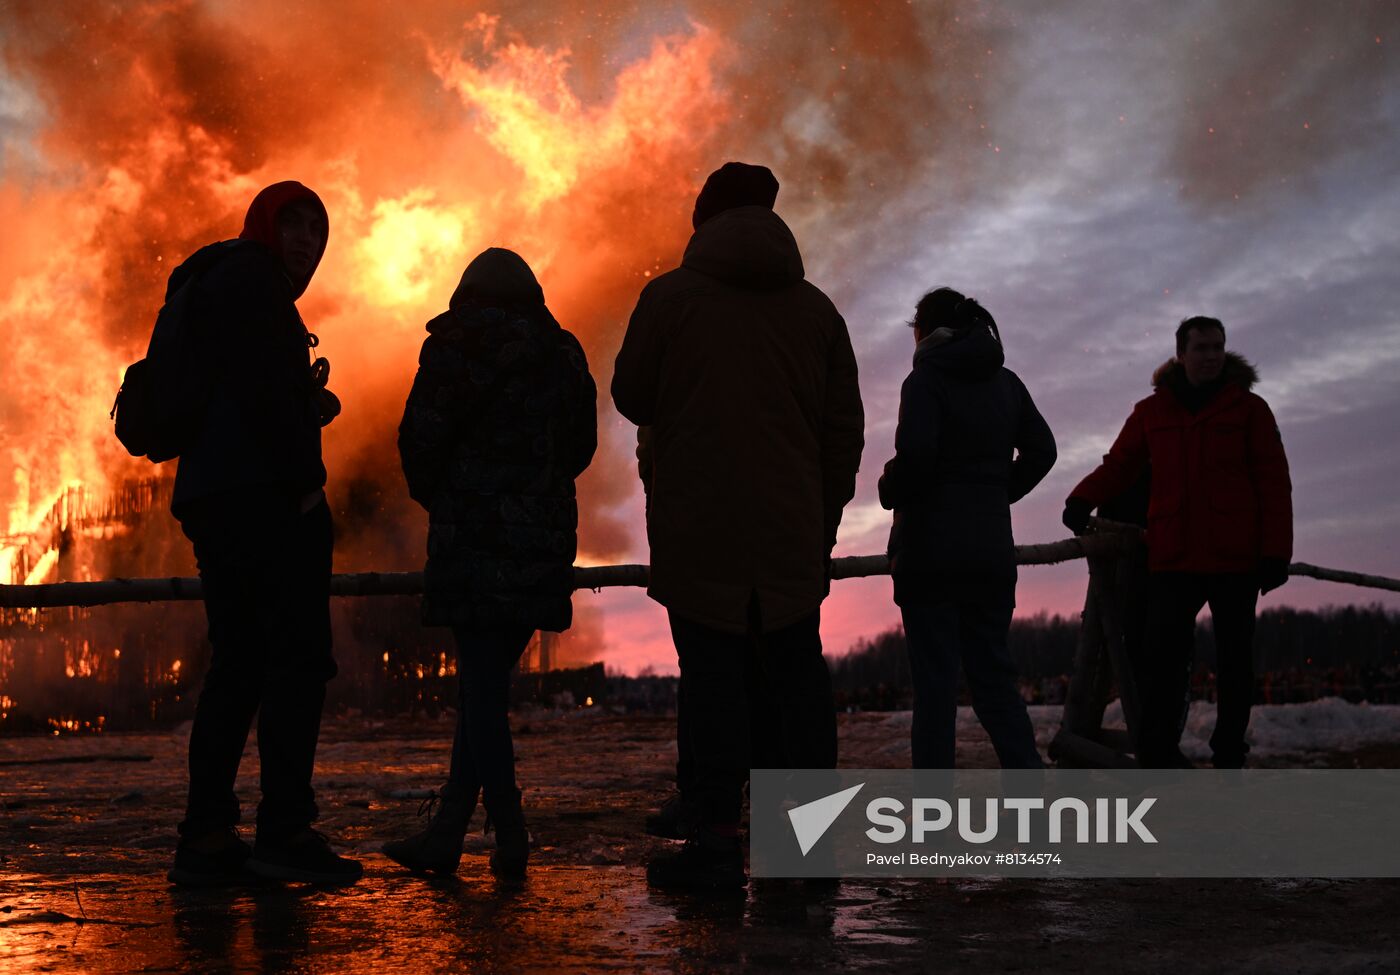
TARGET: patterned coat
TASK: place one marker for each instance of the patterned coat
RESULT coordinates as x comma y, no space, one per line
501,419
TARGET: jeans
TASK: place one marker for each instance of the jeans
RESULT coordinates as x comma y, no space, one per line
971,634
266,570
756,700
1163,664
483,755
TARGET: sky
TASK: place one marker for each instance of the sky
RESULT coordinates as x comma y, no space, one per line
1091,172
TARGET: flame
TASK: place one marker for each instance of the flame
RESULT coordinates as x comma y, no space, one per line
137,132
532,117
491,145
40,573
411,248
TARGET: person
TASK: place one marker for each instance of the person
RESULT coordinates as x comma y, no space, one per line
745,375
676,818
500,421
1219,531
952,480
249,494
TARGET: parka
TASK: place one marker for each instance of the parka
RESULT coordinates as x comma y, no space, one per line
261,428
1221,497
744,372
969,444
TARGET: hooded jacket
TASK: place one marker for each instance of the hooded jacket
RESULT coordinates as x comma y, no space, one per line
745,374
500,420
1221,498
262,425
970,443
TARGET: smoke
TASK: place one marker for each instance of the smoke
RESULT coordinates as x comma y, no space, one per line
1276,91
136,133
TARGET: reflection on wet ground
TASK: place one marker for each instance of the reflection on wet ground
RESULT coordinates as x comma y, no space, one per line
84,848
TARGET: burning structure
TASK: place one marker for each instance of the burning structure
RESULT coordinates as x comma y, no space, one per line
126,665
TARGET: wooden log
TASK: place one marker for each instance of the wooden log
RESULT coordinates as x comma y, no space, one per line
1087,695
1101,655
107,591
1341,575
1307,569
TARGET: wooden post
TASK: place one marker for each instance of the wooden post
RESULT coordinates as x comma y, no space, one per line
1111,621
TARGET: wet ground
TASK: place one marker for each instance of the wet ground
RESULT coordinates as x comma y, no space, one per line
84,846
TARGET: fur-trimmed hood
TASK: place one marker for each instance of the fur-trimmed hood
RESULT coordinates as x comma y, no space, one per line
1237,370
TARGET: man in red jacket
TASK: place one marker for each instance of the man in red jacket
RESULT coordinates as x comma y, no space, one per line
1219,531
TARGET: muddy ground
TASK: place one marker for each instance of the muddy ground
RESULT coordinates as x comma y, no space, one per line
84,847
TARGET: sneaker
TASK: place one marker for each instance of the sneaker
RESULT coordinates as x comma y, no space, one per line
216,859
437,849
305,857
675,820
708,861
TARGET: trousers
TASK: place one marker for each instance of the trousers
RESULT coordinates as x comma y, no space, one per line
265,567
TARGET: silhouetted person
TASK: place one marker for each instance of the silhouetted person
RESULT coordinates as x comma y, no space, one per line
1219,531
249,495
501,419
745,375
676,818
970,443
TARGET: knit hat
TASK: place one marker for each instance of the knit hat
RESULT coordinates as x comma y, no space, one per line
734,184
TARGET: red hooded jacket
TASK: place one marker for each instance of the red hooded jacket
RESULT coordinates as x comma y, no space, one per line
262,427
260,223
1221,496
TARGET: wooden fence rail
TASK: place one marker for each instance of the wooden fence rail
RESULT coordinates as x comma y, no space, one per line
106,591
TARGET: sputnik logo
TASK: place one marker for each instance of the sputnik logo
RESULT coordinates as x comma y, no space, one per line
811,820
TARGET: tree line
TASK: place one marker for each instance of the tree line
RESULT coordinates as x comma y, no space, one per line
1360,641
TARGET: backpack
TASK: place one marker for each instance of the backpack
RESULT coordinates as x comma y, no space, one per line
164,396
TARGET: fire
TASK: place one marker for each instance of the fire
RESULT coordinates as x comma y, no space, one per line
137,132
478,137
40,573
532,117
412,249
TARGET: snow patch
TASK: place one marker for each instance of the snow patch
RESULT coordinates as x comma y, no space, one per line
1326,725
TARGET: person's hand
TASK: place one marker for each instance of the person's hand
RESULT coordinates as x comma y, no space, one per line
1273,572
887,488
1076,516
327,404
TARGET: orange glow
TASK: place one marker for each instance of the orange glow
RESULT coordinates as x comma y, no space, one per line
42,570
412,245
576,136
483,138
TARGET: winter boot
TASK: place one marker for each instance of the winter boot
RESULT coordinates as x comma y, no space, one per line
675,820
505,816
711,860
437,849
